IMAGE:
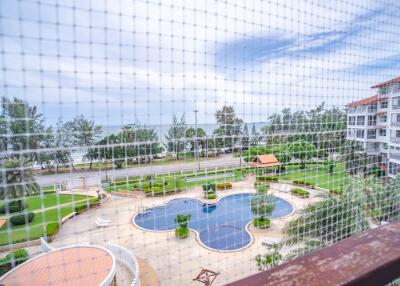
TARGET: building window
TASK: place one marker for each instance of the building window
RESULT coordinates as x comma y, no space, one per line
360,120
371,120
396,103
371,134
383,118
382,132
396,87
373,107
384,90
352,120
393,168
360,134
384,103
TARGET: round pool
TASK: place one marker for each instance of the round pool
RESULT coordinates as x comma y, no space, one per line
221,226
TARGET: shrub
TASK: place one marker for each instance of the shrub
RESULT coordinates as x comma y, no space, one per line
267,178
224,186
262,189
22,218
79,208
51,229
303,183
209,188
262,223
300,193
182,232
13,207
211,196
336,192
14,258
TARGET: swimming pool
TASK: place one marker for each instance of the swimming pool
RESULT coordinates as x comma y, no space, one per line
220,226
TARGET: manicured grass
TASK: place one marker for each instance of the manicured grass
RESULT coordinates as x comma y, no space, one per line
317,175
51,200
36,229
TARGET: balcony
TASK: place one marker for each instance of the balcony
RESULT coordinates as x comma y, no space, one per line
396,106
372,109
395,140
344,263
395,156
395,123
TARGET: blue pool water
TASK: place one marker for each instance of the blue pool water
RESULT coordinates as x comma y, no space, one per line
221,226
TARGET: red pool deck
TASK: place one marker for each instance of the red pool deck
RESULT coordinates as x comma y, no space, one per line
72,266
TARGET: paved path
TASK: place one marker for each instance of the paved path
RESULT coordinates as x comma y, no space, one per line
224,161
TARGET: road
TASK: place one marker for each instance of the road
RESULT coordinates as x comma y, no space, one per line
223,161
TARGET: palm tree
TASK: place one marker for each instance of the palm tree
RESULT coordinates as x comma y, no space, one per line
328,221
17,180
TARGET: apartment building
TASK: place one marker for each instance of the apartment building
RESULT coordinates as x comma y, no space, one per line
374,122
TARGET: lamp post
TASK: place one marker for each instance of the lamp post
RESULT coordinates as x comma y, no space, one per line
196,139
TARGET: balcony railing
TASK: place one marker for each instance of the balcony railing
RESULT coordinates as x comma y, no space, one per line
395,140
375,109
396,106
395,123
344,263
395,156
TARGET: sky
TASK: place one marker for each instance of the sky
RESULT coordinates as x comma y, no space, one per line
119,62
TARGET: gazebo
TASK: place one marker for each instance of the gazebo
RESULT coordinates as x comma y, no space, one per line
265,161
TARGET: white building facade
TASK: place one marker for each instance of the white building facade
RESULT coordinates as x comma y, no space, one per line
374,122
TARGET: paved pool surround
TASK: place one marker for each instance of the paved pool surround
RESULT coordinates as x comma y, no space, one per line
220,226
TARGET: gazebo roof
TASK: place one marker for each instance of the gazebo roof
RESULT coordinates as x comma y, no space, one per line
268,160
69,266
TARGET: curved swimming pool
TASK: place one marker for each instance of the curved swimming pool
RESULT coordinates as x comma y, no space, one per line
221,226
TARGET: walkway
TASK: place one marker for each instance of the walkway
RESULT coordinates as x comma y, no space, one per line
174,261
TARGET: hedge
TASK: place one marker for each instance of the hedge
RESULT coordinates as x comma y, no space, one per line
267,178
301,182
262,223
79,208
224,186
300,193
211,196
14,258
21,219
13,207
51,228
336,192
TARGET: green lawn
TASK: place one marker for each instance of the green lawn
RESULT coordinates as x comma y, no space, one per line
50,200
317,175
37,228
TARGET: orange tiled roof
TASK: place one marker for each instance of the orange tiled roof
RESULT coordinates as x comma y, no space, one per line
364,101
394,80
265,161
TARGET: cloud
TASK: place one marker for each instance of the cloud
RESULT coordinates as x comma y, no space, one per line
119,62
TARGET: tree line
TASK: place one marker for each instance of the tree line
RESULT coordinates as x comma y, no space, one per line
24,133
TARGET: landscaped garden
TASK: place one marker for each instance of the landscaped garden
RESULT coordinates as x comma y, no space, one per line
43,214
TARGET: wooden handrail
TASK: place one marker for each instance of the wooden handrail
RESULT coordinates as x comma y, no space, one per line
368,259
